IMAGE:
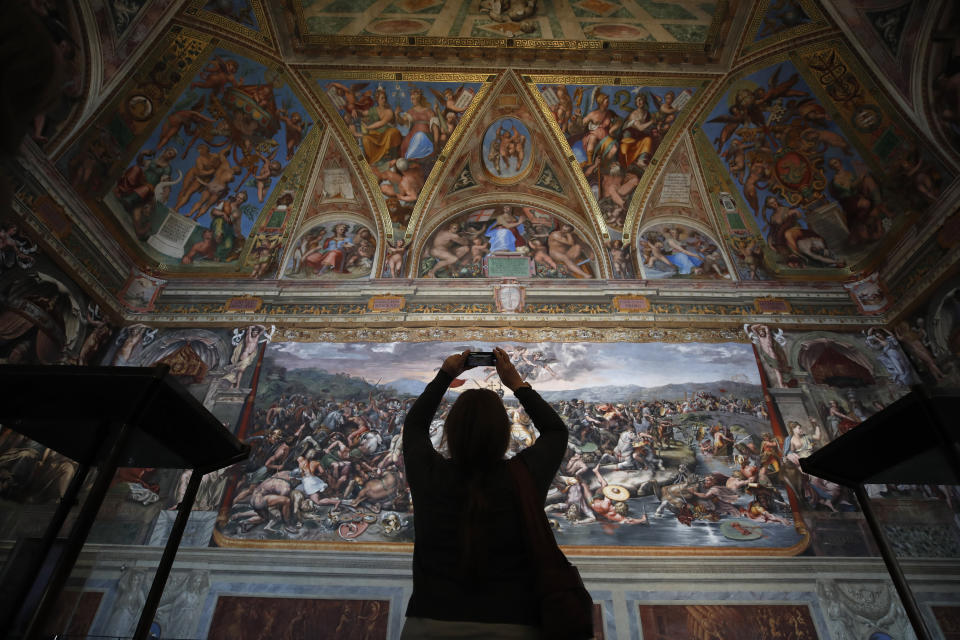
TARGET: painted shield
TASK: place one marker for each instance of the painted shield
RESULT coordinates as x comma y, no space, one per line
793,170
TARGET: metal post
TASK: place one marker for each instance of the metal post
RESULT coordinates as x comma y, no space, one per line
80,531
893,566
88,512
166,560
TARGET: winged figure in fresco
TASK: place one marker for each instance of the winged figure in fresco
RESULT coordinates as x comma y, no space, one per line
750,107
449,106
346,100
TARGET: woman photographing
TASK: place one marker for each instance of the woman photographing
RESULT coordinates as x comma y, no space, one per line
473,576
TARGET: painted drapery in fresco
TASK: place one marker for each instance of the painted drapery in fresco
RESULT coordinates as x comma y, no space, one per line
400,128
614,131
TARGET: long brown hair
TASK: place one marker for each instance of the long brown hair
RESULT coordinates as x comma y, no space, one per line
477,434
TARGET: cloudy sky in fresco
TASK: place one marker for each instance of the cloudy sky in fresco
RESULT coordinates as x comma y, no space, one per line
576,365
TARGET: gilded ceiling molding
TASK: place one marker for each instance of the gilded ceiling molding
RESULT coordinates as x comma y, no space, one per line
195,11
760,9
523,334
403,45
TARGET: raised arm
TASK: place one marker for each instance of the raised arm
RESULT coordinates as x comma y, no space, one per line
418,451
545,455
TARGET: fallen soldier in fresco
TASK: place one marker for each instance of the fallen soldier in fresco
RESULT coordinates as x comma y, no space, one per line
326,465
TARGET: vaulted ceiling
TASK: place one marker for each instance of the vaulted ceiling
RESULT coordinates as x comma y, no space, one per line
706,155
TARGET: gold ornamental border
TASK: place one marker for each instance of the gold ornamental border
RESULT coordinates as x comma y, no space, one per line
519,334
748,46
196,9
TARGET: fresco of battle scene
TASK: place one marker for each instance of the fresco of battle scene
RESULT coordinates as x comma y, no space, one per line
614,131
196,186
547,246
817,201
845,379
679,251
45,319
400,128
682,454
333,249
216,367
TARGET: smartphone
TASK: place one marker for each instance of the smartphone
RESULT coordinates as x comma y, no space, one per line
481,359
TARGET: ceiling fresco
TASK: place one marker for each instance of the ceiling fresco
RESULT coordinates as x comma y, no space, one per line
679,21
123,26
399,128
889,32
775,21
507,154
245,18
614,132
944,73
512,241
228,152
213,133
826,174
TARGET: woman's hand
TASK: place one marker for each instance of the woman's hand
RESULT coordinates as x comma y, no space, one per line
507,372
456,364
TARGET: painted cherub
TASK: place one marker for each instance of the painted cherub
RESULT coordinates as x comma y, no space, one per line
394,263
218,74
294,130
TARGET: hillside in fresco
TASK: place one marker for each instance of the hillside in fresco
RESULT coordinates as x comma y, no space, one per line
343,432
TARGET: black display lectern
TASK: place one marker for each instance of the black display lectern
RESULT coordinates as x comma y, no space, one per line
105,417
915,440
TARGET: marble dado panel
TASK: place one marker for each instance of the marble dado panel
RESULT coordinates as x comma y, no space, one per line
836,598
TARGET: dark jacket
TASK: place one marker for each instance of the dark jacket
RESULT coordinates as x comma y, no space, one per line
504,591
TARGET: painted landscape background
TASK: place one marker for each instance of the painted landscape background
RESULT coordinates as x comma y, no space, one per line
683,441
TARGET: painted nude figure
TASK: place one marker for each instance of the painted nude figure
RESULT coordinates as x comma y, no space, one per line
448,247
